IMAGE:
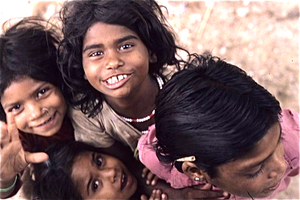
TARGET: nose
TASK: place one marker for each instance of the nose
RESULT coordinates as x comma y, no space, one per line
113,60
279,166
109,173
33,111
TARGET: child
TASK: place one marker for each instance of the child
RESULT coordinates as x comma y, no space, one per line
78,171
31,99
215,124
113,57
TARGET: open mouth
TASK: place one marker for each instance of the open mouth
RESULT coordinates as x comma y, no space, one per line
123,181
115,79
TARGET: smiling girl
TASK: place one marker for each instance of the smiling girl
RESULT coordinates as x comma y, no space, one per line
31,100
113,57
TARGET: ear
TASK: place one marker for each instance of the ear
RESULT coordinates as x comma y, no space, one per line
192,171
84,76
152,57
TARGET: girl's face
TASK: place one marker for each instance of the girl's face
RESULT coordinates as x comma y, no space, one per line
100,176
115,60
38,107
259,173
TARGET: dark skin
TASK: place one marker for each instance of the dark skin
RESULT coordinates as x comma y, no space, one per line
125,154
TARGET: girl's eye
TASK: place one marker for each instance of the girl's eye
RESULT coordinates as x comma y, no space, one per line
15,108
95,185
42,92
257,173
99,161
126,46
97,53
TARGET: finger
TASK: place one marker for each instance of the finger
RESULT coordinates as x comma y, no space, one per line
12,128
150,176
208,194
145,172
157,195
144,197
4,136
154,195
36,157
206,186
164,196
155,180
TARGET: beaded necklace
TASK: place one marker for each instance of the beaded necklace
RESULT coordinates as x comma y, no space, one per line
144,119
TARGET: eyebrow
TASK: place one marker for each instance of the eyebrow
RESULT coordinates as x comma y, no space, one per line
91,178
36,90
94,46
260,162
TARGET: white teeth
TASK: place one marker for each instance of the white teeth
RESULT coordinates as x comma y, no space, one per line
115,79
120,77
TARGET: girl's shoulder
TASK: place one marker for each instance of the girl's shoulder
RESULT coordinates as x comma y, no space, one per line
289,122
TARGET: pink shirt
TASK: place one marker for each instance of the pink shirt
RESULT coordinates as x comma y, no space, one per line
290,139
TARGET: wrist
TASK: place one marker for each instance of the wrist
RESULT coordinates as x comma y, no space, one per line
8,186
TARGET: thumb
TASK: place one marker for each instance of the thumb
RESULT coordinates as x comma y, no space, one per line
206,186
36,157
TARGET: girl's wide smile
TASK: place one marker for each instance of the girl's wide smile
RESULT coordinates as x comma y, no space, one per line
116,81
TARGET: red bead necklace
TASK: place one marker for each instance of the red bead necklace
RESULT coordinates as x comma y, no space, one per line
144,119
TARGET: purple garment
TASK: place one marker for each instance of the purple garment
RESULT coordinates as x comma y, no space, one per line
290,138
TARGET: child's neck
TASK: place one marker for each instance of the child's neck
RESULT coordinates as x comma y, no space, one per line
140,104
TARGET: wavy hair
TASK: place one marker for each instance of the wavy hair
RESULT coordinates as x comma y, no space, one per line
144,17
28,48
214,111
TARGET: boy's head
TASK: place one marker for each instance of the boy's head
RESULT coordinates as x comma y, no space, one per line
212,110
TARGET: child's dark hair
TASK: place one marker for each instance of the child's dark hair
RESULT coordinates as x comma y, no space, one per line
144,17
28,48
52,179
214,111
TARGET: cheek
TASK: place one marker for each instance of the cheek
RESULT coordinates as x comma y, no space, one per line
20,121
237,185
90,69
58,101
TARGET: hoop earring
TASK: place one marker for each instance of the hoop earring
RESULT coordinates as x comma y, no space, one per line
47,110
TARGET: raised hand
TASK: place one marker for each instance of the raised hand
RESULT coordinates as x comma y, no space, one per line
13,158
157,194
150,177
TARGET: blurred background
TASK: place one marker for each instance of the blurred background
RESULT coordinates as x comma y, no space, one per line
261,37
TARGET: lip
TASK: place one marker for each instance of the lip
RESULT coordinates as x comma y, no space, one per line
116,81
124,180
47,123
274,187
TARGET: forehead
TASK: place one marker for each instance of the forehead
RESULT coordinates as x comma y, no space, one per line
262,150
80,169
81,163
22,85
106,30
